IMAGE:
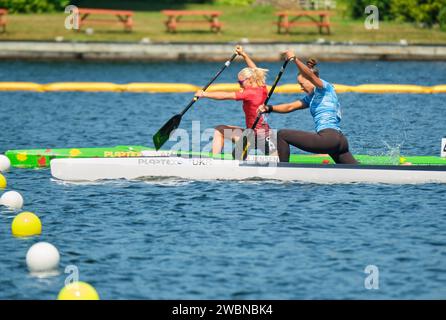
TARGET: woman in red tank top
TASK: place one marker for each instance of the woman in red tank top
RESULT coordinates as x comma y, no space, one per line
253,93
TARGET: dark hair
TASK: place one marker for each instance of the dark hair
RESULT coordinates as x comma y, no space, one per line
311,63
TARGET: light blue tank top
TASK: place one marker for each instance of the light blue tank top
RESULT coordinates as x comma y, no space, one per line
324,107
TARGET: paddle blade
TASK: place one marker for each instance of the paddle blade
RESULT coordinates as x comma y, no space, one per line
246,146
241,149
163,134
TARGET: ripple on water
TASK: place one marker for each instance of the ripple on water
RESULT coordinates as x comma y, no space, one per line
257,239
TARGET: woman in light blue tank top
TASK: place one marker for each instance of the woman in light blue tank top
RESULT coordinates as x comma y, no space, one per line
324,106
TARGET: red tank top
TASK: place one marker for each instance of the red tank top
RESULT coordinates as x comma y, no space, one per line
252,99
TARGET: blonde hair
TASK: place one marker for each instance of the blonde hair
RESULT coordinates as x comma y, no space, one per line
257,75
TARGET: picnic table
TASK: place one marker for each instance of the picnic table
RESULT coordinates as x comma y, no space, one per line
3,13
175,18
125,17
289,19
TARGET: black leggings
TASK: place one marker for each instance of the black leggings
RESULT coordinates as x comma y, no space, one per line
328,141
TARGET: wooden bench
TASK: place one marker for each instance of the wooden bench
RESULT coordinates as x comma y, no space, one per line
124,17
3,13
289,19
174,18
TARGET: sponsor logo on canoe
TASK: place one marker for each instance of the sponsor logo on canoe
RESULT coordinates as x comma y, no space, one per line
262,159
75,152
121,154
161,162
201,162
22,156
153,153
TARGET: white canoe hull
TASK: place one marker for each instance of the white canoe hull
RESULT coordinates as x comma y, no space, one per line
93,169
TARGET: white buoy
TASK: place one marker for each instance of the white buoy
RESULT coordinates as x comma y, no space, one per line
43,259
5,164
12,200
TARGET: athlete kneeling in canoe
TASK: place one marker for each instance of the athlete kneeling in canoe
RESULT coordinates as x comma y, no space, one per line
324,106
253,94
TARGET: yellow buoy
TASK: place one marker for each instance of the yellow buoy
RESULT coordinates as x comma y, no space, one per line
3,182
340,88
159,87
289,88
20,86
26,224
78,291
439,89
226,87
82,86
390,88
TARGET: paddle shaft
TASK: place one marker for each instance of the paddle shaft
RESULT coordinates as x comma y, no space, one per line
271,91
195,99
163,134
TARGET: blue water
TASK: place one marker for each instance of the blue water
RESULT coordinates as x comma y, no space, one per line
174,239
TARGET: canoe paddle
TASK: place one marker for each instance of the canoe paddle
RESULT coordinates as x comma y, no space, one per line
164,133
270,93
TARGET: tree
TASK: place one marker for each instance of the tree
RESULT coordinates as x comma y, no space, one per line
37,6
424,12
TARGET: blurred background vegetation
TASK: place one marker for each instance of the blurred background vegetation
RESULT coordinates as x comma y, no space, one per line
33,6
414,21
425,13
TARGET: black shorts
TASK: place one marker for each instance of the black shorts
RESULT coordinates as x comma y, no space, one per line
329,141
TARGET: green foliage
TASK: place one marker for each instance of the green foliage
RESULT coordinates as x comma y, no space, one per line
33,6
137,5
402,9
357,8
423,12
235,2
442,19
39,6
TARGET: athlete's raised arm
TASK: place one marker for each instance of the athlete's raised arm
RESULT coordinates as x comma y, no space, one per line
304,69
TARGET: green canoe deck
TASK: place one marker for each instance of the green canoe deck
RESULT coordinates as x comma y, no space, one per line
40,158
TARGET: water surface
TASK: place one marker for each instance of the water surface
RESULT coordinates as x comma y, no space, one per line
174,239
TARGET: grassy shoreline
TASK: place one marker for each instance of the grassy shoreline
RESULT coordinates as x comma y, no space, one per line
252,23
